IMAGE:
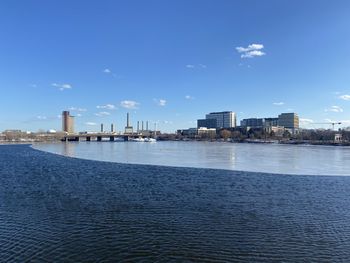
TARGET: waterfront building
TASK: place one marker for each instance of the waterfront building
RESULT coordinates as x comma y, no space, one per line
204,132
67,122
207,123
253,122
224,119
259,122
289,121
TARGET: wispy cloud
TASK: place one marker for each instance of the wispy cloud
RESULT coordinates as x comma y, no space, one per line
253,50
102,113
41,117
278,103
344,97
334,109
61,86
129,104
189,97
107,107
160,102
77,109
305,121
108,71
89,123
191,66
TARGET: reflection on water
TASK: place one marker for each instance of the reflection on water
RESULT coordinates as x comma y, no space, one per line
270,158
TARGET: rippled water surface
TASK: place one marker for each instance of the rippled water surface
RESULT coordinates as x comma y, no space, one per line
59,209
268,158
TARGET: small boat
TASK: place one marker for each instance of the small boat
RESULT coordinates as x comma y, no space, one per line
137,139
150,140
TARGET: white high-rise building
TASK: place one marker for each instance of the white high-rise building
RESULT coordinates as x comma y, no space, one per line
224,119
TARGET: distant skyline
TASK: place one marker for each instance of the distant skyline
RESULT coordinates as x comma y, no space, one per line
171,62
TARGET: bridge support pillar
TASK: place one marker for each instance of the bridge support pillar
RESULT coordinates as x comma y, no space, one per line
99,138
111,138
88,139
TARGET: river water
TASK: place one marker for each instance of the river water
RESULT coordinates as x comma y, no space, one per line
55,208
268,158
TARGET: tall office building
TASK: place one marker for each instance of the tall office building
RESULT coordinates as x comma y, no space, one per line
289,120
67,122
206,123
259,122
224,119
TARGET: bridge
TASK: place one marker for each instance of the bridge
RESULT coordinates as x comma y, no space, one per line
98,137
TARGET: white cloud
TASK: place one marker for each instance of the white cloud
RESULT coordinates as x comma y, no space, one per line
129,104
78,115
189,97
107,71
305,121
61,86
253,50
90,123
107,107
251,54
278,103
196,66
344,97
41,117
250,48
334,109
160,102
102,113
77,109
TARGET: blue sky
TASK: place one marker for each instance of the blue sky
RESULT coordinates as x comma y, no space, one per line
172,61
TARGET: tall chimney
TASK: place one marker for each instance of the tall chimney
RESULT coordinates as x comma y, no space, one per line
142,126
101,127
112,128
127,120
138,126
146,125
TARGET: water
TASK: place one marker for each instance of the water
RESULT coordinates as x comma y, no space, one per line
269,158
59,209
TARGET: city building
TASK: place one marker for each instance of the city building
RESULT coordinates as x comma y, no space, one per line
289,121
67,122
207,123
253,122
259,122
203,132
224,119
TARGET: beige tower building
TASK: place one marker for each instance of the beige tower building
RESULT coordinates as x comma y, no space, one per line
67,122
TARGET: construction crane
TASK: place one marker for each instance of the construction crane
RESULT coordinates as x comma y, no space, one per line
332,123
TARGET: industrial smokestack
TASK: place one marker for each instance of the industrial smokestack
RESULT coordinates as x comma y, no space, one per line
127,120
101,127
112,128
146,125
142,126
138,126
